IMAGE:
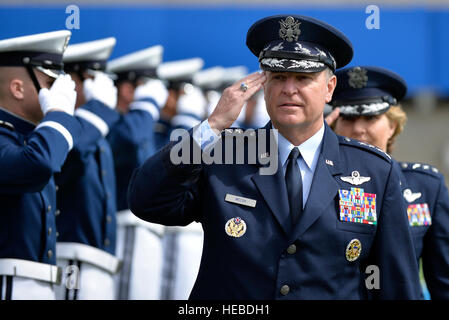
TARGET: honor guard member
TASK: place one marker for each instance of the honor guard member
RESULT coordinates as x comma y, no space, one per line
139,243
87,218
178,75
37,130
368,100
286,233
182,247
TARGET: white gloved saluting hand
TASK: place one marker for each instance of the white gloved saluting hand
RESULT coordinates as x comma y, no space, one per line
60,97
192,102
152,89
151,97
101,88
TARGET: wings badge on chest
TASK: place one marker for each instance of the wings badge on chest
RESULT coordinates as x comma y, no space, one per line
355,178
411,196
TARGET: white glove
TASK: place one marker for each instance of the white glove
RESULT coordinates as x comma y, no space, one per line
154,89
61,95
192,102
101,88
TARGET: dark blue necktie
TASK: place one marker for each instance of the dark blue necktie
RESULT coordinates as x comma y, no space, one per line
293,181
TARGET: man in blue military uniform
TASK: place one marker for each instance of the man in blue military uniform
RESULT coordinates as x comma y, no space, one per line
87,218
367,98
34,143
285,233
132,139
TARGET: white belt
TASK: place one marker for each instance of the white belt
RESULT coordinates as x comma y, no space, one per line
30,269
85,253
127,218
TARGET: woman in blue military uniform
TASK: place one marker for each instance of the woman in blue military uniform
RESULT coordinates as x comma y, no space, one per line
367,99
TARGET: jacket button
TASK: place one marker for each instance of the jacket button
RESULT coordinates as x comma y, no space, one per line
108,218
49,208
49,231
291,249
106,242
57,213
49,254
103,172
285,290
57,188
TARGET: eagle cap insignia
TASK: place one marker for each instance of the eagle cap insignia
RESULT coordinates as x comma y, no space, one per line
355,178
411,196
235,227
289,29
357,78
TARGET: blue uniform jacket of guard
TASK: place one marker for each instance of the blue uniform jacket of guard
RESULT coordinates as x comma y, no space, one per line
28,159
430,236
132,140
257,265
86,196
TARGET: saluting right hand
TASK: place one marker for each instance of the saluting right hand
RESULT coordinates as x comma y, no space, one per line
60,97
152,89
233,99
101,88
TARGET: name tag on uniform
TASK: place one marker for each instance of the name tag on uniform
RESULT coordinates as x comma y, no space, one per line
240,200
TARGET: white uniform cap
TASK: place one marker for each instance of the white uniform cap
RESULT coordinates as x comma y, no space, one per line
89,55
180,70
48,42
43,51
210,78
234,74
148,58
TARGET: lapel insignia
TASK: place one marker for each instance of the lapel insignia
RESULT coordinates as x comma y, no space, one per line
358,206
235,227
329,162
410,196
355,178
419,215
240,200
353,250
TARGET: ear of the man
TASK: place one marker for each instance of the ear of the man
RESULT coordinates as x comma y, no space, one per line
16,87
331,84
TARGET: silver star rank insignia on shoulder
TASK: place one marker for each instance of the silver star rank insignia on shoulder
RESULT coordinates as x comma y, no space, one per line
411,196
355,178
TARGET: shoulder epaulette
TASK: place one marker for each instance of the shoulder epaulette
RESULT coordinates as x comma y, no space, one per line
419,167
364,146
6,125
